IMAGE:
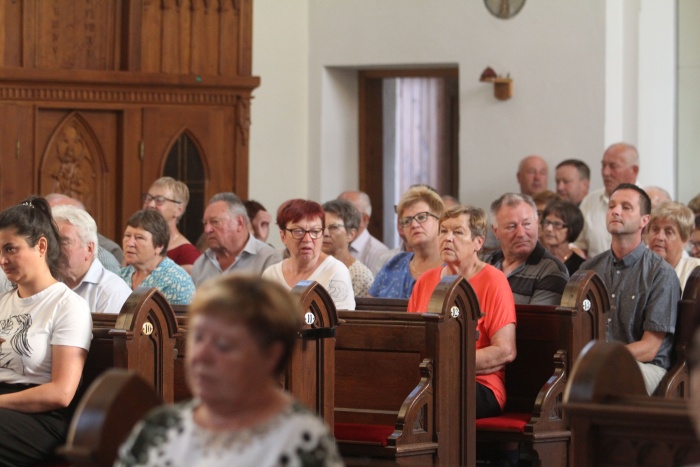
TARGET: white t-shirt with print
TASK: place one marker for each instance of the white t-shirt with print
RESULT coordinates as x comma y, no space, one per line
30,326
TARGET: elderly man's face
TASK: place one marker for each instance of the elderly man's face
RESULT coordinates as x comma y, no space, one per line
617,168
221,230
516,229
79,254
570,186
532,175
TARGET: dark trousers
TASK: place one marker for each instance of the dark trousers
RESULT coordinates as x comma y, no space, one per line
30,438
486,402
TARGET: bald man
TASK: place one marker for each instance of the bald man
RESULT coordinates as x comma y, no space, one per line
532,175
365,248
620,165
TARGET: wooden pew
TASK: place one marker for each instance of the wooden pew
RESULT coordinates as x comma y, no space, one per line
615,423
309,376
140,338
675,383
404,382
549,339
110,408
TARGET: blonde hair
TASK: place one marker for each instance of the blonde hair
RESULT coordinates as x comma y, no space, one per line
477,218
180,191
678,213
420,193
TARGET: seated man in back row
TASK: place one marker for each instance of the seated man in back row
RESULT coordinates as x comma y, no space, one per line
535,276
104,291
643,287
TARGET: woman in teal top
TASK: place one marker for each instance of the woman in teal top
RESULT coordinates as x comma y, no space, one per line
145,246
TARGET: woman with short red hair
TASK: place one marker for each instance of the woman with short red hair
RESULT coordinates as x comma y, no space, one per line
301,224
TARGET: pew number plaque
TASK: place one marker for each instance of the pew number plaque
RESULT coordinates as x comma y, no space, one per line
586,305
147,328
454,312
309,318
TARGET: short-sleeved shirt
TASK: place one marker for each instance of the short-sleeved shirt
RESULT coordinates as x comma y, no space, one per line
184,254
540,280
645,290
172,281
30,326
104,291
169,436
362,278
497,308
394,280
254,259
332,274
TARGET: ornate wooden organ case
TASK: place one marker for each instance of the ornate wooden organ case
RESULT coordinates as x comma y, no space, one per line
98,98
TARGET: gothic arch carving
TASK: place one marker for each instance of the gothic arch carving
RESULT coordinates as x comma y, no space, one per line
74,163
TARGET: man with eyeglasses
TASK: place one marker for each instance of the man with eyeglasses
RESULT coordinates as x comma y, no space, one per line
231,246
535,276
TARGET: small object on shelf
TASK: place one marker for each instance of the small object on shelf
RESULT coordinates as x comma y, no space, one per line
502,87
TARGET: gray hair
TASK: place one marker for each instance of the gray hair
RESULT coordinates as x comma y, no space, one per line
346,211
78,218
234,203
512,200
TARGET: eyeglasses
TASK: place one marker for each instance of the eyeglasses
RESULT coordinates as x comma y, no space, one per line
421,218
146,198
694,244
555,224
298,234
335,227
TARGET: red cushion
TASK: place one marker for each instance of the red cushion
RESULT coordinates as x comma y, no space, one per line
365,433
506,422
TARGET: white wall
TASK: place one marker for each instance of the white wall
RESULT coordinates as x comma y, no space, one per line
688,99
570,98
279,110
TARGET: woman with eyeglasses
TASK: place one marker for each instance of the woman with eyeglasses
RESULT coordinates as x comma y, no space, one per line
342,221
419,210
562,222
301,224
170,197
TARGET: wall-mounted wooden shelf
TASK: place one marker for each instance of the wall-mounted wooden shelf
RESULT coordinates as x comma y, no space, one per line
502,87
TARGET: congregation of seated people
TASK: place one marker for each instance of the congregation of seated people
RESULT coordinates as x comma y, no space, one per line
642,244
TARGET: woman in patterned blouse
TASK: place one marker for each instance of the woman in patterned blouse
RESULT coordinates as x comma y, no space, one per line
145,247
342,221
242,331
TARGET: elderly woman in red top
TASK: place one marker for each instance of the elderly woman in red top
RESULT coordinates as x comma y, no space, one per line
461,233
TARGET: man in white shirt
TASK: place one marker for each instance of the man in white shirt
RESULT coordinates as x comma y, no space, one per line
104,291
365,248
620,165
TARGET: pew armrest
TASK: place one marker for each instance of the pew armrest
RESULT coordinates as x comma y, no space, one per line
547,414
675,383
414,424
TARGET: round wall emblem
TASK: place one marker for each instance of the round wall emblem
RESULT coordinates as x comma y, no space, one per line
309,318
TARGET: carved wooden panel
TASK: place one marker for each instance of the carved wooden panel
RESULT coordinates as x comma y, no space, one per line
208,37
93,94
78,157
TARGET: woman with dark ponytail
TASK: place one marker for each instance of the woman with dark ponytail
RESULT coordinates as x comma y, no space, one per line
45,333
